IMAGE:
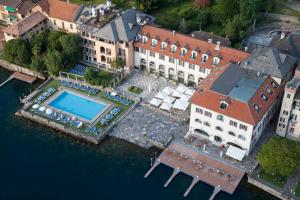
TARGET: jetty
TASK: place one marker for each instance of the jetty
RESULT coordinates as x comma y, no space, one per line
185,159
19,76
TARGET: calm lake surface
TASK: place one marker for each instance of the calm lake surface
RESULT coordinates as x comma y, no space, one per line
37,163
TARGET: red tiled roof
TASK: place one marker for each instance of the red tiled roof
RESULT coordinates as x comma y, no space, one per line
228,54
25,25
242,111
59,9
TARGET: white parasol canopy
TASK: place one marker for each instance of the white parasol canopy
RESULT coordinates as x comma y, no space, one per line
166,106
167,90
161,95
49,111
113,94
42,109
235,153
155,102
169,99
189,92
181,105
176,94
35,106
80,125
181,88
185,97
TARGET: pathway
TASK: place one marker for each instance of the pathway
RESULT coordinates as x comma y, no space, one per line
290,185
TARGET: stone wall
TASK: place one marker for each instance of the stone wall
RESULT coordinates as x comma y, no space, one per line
279,17
16,68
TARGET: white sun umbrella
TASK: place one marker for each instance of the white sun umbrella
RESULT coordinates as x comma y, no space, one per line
181,88
189,92
181,105
176,94
161,95
35,106
169,99
42,109
80,125
166,106
167,90
114,94
49,111
155,102
185,97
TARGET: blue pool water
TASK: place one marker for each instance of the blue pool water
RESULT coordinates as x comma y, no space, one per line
77,105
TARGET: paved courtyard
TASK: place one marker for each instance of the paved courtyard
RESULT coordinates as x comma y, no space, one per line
142,122
150,85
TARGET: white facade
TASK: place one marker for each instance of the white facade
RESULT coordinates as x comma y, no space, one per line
169,68
221,129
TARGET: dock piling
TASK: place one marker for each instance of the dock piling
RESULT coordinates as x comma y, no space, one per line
157,162
194,182
175,172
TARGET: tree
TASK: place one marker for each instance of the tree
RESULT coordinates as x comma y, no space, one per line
53,40
280,156
231,31
90,76
17,51
183,28
39,43
71,47
54,62
37,64
117,63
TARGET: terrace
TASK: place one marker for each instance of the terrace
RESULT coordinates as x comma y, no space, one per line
71,107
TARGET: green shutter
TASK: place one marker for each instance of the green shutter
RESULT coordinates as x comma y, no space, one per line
10,9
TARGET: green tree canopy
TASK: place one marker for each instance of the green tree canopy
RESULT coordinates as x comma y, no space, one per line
54,62
53,40
37,63
39,43
280,156
17,51
71,46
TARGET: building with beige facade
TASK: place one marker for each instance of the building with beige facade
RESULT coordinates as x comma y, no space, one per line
289,119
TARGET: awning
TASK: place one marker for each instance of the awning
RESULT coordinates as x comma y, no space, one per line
42,109
176,94
49,111
169,99
235,153
161,95
167,90
189,92
35,106
155,102
181,88
181,105
166,106
10,9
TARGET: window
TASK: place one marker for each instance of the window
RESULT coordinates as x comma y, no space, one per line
207,114
193,55
241,137
183,51
198,121
288,96
206,124
292,130
223,105
71,26
199,110
243,127
231,133
233,123
143,51
220,118
163,46
173,48
264,97
161,57
274,85
216,61
136,49
152,54
144,39
171,60
204,58
181,63
54,22
219,128
191,66
281,125
153,43
256,107
202,69
269,90
285,112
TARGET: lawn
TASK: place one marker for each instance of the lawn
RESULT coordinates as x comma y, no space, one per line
275,180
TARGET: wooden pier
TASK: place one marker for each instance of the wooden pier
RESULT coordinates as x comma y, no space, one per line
19,76
218,174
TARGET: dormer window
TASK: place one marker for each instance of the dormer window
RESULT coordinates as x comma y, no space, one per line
256,107
274,85
216,60
204,58
264,97
269,90
193,55
153,42
183,51
173,48
223,105
144,39
163,45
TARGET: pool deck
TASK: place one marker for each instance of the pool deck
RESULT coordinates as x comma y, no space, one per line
199,166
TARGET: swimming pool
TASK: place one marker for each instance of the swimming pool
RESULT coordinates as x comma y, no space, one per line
78,105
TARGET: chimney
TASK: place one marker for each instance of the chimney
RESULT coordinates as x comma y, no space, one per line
246,49
282,35
193,35
174,32
68,1
218,46
93,12
210,40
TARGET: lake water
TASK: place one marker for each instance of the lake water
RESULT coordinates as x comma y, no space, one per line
37,163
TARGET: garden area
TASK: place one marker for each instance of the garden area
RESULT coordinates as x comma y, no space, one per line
279,159
135,90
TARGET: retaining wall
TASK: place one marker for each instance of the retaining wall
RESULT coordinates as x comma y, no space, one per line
279,17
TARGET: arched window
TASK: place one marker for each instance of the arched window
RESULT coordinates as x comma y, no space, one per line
102,49
201,132
235,145
153,43
144,39
219,128
241,137
216,60
218,139
183,51
231,133
198,121
162,68
163,45
194,55
220,118
204,58
173,48
103,59
152,65
206,124
180,74
191,77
